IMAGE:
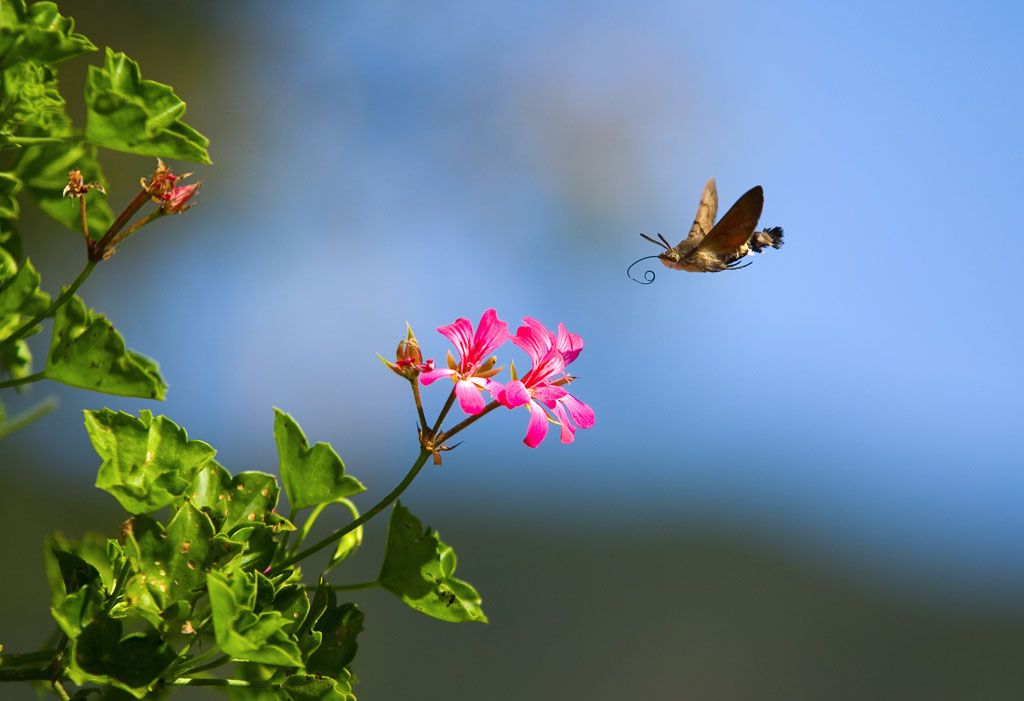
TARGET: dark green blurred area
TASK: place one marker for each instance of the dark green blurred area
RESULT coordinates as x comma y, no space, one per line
667,614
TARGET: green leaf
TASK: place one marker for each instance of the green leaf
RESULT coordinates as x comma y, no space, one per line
258,546
20,293
247,499
78,610
16,359
9,186
418,569
292,603
349,542
87,352
77,566
147,463
38,33
20,297
305,687
44,171
311,476
31,98
10,239
243,630
131,662
170,563
309,638
127,113
338,627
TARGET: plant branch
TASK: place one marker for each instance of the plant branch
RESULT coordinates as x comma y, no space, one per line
469,420
23,380
444,412
351,587
341,533
28,416
188,681
54,306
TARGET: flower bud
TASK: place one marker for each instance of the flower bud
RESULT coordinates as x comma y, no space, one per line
408,359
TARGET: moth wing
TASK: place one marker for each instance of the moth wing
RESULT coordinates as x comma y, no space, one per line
735,228
708,207
704,221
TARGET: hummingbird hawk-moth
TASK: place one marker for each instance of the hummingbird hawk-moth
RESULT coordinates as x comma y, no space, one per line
710,247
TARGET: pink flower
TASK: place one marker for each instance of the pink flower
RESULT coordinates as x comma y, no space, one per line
474,370
550,354
177,200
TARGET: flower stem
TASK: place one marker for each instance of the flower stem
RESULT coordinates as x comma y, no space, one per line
342,532
419,404
54,306
444,412
23,380
85,222
31,666
466,422
96,250
28,417
351,587
222,659
187,681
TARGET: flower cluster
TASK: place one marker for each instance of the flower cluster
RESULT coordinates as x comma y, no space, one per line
162,187
541,389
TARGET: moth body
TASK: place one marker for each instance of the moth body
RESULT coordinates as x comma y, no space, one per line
711,247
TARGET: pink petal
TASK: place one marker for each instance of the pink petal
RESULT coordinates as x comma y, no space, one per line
547,394
514,394
569,344
535,342
538,427
431,375
551,364
568,430
490,334
492,386
460,333
582,415
540,329
470,399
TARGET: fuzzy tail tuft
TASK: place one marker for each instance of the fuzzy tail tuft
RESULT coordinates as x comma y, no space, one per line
769,237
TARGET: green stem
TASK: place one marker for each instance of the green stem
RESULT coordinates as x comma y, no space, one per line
444,412
419,404
23,380
186,681
466,422
341,533
27,417
35,140
31,666
54,306
353,587
209,665
61,691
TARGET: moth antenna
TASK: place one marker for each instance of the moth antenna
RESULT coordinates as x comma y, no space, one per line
668,246
648,276
655,241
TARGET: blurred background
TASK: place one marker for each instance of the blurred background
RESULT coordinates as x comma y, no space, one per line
805,478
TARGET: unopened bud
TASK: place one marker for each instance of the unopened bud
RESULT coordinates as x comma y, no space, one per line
408,359
177,200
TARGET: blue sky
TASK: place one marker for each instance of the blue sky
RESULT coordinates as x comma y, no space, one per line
857,392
